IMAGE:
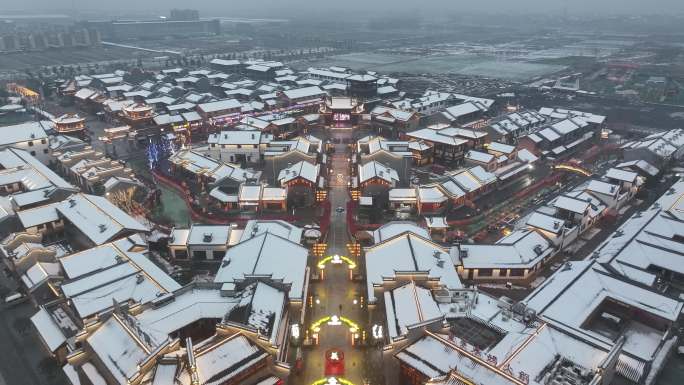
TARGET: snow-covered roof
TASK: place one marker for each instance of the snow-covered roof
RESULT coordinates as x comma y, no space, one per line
116,105
374,169
526,156
565,127
40,272
18,166
466,181
221,196
201,72
113,271
402,194
483,176
546,222
116,181
337,75
179,237
650,238
305,92
118,349
249,193
261,307
664,144
111,80
255,122
375,144
500,147
393,112
640,165
459,110
235,138
431,194
601,187
38,215
236,353
409,306
478,156
97,218
621,175
138,93
224,62
198,163
436,222
186,307
209,235
510,170
532,351
451,188
165,119
419,145
571,204
227,104
302,169
438,136
560,113
362,77
406,253
522,249
548,134
384,90
165,100
273,194
463,133
84,93
266,255
181,107
48,330
24,132
575,292
280,228
392,229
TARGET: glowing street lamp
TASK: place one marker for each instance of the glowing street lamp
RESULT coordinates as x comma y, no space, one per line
295,331
377,331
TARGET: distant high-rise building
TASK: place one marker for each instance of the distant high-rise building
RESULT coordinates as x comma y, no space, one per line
184,14
127,30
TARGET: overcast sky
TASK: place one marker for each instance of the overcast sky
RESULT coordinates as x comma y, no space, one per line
254,7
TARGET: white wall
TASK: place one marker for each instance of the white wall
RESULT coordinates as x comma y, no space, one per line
39,149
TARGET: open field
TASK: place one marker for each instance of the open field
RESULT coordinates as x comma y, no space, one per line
466,64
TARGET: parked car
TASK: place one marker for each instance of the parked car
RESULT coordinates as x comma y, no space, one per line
15,299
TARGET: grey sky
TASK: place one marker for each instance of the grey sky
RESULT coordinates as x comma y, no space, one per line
238,7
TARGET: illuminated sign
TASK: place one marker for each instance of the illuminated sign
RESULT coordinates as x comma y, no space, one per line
295,331
334,320
377,331
332,381
336,259
340,117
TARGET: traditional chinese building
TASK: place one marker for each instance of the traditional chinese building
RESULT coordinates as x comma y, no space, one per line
71,124
341,111
138,114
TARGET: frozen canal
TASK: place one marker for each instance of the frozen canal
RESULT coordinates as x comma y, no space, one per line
463,63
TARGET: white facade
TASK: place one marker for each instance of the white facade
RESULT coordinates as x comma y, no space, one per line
28,136
237,146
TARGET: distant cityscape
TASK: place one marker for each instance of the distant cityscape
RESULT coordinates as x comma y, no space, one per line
209,200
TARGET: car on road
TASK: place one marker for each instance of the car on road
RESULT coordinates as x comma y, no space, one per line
340,209
15,299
